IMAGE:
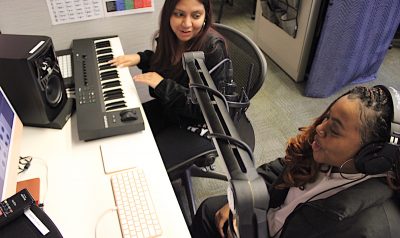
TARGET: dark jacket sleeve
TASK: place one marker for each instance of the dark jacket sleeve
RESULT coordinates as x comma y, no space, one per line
145,58
367,209
173,92
271,173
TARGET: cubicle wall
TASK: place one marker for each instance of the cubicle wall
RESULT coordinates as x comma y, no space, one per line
32,17
291,54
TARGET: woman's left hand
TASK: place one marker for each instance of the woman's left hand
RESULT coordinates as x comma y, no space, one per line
151,78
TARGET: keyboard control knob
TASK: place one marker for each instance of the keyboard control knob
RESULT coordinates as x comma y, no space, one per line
128,115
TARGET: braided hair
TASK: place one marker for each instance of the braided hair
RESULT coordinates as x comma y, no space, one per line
376,112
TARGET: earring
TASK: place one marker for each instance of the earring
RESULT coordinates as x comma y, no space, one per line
204,23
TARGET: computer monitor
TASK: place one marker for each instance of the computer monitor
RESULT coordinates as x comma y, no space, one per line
10,137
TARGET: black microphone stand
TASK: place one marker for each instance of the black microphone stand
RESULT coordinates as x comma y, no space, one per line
247,192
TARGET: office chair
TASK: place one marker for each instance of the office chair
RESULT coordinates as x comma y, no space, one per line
196,153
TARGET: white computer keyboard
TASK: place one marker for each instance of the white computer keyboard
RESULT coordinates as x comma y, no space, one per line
136,212
65,63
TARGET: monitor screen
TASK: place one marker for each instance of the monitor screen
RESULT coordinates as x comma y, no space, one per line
10,136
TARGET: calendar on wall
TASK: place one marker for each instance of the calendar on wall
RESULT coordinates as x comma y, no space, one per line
67,11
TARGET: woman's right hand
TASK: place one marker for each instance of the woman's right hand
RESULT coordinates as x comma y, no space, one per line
221,216
125,60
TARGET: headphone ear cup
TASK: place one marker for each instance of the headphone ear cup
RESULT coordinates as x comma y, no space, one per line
376,158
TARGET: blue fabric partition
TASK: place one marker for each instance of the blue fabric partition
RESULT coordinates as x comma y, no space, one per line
355,37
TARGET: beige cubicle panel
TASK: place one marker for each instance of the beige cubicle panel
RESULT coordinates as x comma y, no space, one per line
291,54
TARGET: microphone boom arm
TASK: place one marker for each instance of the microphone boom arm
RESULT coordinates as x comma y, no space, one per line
247,192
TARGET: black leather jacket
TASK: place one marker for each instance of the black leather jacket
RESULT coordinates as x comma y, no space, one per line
174,89
368,209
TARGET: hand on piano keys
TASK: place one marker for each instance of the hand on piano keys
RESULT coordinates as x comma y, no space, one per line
117,86
151,78
125,60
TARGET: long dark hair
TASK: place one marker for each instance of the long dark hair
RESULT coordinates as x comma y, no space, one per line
376,113
167,42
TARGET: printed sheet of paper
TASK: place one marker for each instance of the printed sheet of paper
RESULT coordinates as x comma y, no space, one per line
67,11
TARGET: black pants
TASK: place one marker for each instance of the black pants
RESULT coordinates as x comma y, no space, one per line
155,116
175,143
203,224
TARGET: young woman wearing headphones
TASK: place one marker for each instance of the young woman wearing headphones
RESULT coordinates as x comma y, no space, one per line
339,177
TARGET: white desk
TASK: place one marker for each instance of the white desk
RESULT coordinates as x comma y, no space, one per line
78,193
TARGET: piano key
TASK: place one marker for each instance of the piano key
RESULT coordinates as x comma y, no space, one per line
102,44
115,69
110,84
108,77
116,102
105,58
107,66
112,91
104,51
109,72
114,105
112,97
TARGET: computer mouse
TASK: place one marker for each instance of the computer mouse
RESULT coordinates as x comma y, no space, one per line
128,115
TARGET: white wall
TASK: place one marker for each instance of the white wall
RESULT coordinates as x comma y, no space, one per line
32,17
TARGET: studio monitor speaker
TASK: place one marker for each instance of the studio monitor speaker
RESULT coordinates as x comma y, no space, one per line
31,78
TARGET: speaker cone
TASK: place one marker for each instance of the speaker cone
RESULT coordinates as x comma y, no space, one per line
53,91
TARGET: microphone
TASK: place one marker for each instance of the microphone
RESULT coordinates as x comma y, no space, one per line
228,87
238,103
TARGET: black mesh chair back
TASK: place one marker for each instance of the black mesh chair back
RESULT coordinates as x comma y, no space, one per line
249,64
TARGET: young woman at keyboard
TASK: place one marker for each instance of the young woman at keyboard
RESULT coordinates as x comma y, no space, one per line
185,25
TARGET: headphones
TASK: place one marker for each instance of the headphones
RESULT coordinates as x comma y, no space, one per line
378,157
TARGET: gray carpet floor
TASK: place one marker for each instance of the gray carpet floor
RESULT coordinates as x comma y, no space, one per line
279,108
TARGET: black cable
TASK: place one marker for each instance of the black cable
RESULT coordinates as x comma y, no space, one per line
24,163
213,91
244,105
219,64
235,141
